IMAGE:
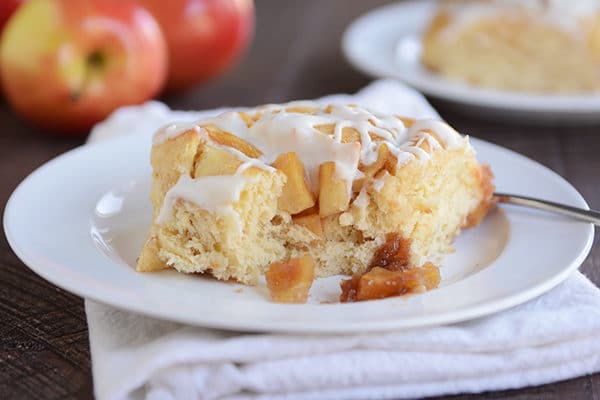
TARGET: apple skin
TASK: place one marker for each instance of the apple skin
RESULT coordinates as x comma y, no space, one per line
204,37
7,8
66,65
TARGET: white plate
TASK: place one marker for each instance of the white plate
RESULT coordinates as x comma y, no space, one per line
79,221
386,43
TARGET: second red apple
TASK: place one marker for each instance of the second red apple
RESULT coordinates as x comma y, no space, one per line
204,36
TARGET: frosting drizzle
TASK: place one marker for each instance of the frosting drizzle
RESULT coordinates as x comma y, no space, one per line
297,127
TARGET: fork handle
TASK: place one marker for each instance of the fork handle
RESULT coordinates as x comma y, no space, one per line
545,205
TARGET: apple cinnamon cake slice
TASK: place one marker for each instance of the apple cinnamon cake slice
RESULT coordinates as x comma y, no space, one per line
542,46
349,188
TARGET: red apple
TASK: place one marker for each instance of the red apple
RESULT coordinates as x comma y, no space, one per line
7,8
66,64
204,37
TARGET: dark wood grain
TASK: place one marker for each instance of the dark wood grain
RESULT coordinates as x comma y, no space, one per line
43,334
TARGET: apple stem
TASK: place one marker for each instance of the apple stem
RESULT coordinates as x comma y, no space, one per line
93,62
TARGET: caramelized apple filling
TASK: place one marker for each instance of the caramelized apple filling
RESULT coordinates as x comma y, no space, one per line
390,274
380,283
393,254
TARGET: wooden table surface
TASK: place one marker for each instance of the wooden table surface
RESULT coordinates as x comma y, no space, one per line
296,54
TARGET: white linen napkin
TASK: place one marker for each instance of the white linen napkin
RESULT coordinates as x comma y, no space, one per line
551,338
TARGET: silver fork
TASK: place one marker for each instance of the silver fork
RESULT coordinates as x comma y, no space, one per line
563,209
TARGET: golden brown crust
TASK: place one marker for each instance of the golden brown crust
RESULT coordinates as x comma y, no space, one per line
488,201
149,260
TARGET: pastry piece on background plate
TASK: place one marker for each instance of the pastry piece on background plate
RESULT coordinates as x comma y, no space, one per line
341,188
538,46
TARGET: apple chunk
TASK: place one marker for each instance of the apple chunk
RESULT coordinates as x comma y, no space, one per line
213,161
296,196
369,171
229,140
408,122
380,283
312,222
289,281
333,191
349,134
382,155
302,110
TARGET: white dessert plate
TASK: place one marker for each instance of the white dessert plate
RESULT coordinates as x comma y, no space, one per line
79,221
386,42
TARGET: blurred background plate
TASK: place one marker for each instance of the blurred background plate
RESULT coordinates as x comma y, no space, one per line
386,42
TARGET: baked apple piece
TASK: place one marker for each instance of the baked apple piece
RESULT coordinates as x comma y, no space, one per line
289,281
296,196
229,140
333,191
380,283
390,274
214,161
311,221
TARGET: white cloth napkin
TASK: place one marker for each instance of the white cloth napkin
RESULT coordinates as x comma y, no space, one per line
551,338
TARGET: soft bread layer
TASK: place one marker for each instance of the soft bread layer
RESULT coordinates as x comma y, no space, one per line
236,243
515,52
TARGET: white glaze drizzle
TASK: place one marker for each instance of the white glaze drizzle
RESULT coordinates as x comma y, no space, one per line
187,185
362,200
173,130
278,131
229,121
282,132
451,139
211,193
379,182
